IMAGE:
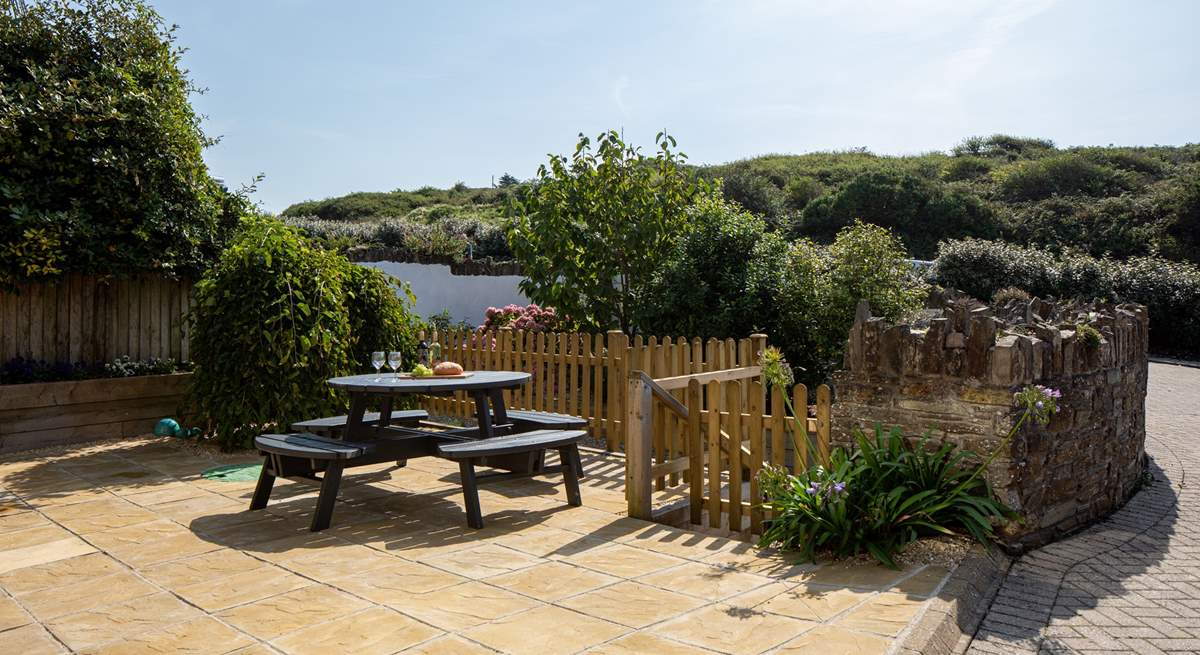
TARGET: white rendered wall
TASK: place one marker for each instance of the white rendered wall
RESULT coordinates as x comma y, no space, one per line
465,296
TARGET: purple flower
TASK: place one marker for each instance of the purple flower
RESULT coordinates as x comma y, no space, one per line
813,489
1039,404
839,487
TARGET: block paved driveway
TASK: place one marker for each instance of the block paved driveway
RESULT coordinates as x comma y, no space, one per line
1132,583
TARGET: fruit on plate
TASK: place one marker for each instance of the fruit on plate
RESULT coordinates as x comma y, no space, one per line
421,371
448,368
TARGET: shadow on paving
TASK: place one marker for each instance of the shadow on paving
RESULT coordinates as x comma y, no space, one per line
1081,573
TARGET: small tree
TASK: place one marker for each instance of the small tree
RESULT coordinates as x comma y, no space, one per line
100,150
594,226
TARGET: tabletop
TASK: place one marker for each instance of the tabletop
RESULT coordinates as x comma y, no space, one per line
386,383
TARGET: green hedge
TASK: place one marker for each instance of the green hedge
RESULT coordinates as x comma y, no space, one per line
1170,290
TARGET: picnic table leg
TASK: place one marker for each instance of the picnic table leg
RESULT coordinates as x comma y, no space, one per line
483,415
329,489
466,470
570,468
262,491
354,420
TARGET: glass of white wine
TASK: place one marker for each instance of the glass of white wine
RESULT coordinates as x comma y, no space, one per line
393,360
377,359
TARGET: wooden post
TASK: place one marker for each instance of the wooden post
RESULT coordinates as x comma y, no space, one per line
638,435
714,454
824,416
695,453
800,428
733,404
754,431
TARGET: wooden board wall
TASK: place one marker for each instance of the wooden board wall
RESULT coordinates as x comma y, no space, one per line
83,318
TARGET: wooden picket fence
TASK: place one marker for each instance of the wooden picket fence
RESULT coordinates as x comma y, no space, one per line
91,319
579,373
714,432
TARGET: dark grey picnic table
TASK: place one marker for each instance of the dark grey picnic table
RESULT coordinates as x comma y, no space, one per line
486,388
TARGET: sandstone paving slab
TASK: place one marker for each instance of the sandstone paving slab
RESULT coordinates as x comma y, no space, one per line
632,604
546,630
375,631
733,630
98,515
463,606
108,623
397,581
14,521
43,553
552,581
30,639
482,562
448,645
639,643
240,588
832,640
11,614
625,561
212,565
885,614
203,636
57,573
278,615
815,602
74,597
705,581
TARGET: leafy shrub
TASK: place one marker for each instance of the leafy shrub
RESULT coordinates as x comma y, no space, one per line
450,237
20,370
754,192
920,211
1088,335
878,499
1008,294
270,325
592,230
821,287
888,492
800,191
966,168
101,150
1169,290
719,280
1123,226
356,206
379,318
1183,226
531,318
1063,175
1004,146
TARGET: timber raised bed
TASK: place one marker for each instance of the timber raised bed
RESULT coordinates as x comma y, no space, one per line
53,413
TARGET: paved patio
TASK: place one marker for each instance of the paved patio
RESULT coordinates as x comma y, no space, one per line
121,547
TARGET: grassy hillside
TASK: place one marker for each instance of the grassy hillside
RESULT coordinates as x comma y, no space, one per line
1119,201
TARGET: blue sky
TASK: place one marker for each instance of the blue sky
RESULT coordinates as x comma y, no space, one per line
325,97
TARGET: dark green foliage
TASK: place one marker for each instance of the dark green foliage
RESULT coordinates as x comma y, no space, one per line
720,279
360,205
269,326
1003,146
1062,175
595,225
1122,226
878,499
442,236
1170,290
1183,226
379,319
800,191
754,192
100,151
966,167
919,211
20,370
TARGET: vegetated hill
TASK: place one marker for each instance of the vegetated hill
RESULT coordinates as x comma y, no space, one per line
1118,201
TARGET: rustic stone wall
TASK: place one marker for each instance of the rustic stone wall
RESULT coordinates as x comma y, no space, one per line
954,371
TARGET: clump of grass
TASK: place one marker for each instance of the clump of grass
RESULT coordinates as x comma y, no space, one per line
1003,296
1087,335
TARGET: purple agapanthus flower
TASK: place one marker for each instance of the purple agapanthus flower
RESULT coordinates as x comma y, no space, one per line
839,487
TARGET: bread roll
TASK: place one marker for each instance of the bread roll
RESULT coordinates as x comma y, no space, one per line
448,368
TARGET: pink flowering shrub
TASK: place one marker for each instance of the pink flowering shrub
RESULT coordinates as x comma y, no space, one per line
533,318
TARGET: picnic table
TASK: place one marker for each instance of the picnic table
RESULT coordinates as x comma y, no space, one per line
363,442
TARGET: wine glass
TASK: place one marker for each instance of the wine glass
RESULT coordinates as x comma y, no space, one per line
377,359
393,360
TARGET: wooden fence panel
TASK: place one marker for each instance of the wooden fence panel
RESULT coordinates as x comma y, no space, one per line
84,318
